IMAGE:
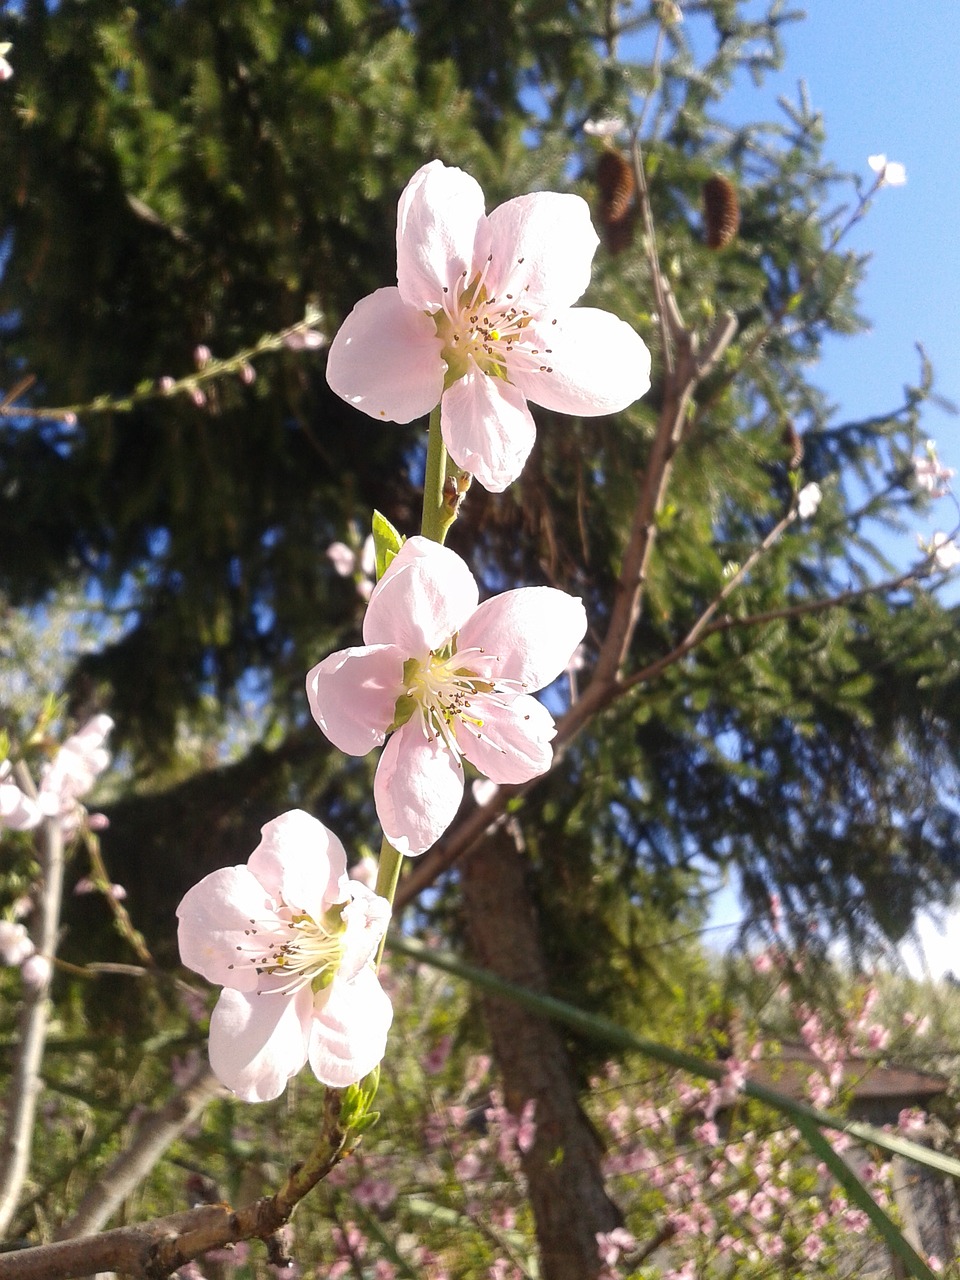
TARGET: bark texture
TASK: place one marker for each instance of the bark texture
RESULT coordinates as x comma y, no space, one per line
562,1167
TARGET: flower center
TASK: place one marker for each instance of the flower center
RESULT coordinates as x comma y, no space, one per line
307,951
487,331
442,693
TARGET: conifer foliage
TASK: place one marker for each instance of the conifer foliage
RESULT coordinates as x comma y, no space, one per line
181,179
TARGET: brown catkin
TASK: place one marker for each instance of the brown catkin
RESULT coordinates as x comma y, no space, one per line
721,211
794,442
616,182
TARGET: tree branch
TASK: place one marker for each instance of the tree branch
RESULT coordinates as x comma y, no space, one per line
154,1250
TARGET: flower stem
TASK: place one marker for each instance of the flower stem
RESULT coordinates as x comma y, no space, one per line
444,485
435,521
388,876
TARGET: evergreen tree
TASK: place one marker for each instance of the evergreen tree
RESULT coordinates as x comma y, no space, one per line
179,176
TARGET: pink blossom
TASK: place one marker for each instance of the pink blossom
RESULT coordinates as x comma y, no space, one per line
436,1059
482,320
362,567
86,885
610,1245
36,970
74,770
527,1126
290,938
878,1037
6,71
18,811
930,473
15,944
452,680
812,1247
305,340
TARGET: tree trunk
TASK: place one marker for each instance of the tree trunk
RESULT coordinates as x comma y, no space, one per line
562,1167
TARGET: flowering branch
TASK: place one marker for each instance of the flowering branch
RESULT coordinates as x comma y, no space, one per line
300,336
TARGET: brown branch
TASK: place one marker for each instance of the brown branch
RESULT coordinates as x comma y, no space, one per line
461,839
154,1250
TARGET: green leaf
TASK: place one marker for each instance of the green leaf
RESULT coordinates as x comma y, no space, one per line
386,541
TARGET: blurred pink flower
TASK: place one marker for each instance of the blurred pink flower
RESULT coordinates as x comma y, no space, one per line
930,473
18,811
290,938
15,944
610,1245
73,771
482,320
447,679
36,970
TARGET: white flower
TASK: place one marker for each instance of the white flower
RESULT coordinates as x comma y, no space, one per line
943,549
892,173
808,500
604,128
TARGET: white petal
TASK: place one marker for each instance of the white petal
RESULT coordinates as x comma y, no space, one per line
513,744
487,428
417,790
257,1042
597,364
225,922
367,916
353,693
528,635
426,594
386,359
301,862
542,247
441,235
349,1033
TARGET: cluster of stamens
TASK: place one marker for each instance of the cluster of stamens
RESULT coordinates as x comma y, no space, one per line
489,330
443,691
305,952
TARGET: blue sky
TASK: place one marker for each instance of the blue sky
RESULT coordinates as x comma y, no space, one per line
885,74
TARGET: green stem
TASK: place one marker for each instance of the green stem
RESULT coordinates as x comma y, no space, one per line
435,521
388,877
